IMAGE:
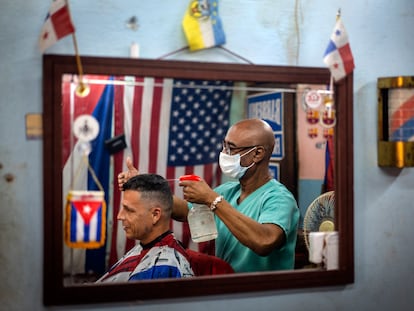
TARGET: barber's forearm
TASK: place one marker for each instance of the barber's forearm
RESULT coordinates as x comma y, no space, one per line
180,209
260,238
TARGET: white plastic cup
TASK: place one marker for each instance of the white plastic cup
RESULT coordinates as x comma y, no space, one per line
331,250
316,244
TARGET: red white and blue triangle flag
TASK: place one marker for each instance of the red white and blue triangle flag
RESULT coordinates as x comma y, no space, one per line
58,24
338,55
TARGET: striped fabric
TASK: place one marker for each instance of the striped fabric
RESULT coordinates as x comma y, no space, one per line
171,127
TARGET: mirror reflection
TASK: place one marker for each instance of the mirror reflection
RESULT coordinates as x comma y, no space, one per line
179,127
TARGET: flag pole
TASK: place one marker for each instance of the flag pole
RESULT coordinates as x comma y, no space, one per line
82,89
331,82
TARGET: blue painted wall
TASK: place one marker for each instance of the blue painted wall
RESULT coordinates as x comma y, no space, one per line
283,32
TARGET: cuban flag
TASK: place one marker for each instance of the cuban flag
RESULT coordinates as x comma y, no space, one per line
202,25
338,55
85,219
171,128
58,24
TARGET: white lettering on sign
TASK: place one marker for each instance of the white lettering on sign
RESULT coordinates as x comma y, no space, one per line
277,149
267,109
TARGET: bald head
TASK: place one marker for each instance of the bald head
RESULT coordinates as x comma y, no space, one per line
253,132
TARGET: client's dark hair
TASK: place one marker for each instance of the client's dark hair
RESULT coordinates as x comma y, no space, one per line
152,187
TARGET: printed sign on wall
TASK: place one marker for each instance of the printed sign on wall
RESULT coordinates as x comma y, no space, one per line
269,107
274,169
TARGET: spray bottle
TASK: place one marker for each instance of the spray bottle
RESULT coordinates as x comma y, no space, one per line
200,218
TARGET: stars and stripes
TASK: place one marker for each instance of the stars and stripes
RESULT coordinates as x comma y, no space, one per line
175,127
199,119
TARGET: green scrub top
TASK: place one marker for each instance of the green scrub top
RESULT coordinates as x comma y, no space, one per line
271,203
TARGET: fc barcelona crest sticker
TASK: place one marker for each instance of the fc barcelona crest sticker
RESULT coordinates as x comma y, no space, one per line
313,132
312,116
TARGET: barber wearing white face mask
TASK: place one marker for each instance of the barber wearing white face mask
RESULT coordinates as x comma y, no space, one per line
257,217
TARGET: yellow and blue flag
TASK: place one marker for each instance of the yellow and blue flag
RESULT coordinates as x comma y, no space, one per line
202,25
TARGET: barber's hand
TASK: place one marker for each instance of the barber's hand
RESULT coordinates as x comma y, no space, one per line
197,192
124,176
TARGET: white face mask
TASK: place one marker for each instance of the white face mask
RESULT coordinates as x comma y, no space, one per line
230,164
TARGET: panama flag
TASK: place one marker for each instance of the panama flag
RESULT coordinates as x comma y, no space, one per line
338,55
202,25
58,24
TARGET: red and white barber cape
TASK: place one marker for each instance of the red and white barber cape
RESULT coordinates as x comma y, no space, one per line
58,24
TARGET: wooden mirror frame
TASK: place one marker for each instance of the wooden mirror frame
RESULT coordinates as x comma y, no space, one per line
55,293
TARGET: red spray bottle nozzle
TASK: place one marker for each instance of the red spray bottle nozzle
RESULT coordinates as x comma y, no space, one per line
190,177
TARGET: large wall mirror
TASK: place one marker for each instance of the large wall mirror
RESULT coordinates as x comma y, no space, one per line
69,273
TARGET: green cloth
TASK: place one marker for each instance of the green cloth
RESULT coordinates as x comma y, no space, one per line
271,203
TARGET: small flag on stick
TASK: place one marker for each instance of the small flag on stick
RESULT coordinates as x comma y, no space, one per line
338,55
58,24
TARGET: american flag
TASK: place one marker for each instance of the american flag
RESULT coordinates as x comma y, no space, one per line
172,128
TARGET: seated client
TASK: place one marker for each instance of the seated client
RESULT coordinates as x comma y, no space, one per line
145,214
